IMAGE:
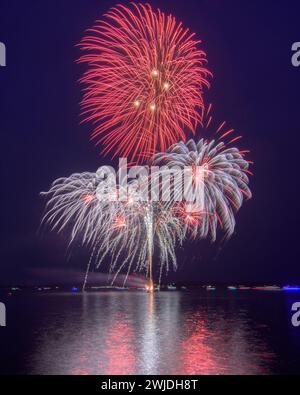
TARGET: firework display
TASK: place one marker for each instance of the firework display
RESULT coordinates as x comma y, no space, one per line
144,82
225,185
221,170
126,230
144,93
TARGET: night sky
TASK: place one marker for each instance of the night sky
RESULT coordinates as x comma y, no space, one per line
255,89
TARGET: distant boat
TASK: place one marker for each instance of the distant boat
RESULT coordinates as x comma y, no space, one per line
232,288
172,288
244,287
210,288
294,288
268,288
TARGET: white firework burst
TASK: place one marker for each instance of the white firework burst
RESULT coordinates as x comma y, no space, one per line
126,231
224,182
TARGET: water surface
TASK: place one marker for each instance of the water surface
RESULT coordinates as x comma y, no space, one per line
137,333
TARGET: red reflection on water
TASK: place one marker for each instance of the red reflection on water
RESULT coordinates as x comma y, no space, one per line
197,356
79,372
119,357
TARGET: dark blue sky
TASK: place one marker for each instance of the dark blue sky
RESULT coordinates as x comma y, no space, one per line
255,89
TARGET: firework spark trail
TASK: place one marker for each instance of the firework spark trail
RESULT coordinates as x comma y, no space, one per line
144,82
127,231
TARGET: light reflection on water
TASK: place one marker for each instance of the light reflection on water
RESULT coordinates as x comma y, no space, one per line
138,333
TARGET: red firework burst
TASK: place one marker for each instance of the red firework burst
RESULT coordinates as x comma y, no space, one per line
144,83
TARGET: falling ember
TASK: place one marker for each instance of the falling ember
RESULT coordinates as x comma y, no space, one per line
140,56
